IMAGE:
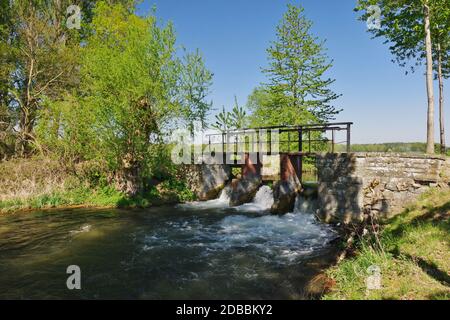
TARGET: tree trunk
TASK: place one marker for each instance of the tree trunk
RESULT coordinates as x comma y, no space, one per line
26,130
429,77
441,101
128,179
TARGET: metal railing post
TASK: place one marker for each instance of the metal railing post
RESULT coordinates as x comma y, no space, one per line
348,137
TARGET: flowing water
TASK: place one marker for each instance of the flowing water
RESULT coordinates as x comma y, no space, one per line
192,251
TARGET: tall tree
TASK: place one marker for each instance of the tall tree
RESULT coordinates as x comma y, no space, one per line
45,59
129,76
429,77
194,87
7,117
298,86
231,120
412,28
223,121
238,116
442,72
441,35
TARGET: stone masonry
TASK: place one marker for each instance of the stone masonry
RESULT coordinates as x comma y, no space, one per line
357,184
206,181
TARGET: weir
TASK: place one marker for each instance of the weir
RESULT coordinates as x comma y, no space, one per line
276,152
267,155
350,187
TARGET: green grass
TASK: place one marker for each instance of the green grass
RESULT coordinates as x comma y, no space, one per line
101,197
170,191
414,256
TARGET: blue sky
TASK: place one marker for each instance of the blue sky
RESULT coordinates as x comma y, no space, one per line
385,104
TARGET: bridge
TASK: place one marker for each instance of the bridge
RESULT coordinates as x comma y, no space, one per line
277,152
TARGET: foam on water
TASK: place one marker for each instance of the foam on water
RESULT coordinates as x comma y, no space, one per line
263,201
82,229
284,239
222,202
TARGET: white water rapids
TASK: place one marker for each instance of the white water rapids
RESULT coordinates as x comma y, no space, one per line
286,237
262,202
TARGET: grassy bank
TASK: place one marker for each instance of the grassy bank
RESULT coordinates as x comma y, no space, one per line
40,183
412,252
92,197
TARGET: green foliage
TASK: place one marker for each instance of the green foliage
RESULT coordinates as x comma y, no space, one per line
65,128
234,120
223,121
7,115
37,38
102,99
133,89
298,90
81,195
162,168
102,195
238,116
417,31
178,187
128,72
402,25
195,83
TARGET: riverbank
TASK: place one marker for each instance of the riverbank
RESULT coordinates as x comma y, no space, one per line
101,198
411,254
43,183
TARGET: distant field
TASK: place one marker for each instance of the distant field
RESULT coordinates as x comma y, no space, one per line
391,147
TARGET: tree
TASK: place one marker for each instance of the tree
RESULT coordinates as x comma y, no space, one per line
195,83
429,77
410,27
126,95
441,73
297,89
234,120
44,54
441,33
39,58
270,109
238,116
223,121
7,115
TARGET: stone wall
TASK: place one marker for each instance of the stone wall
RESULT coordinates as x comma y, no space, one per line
206,181
357,184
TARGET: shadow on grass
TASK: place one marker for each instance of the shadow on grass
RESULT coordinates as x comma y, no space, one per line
429,268
438,216
441,295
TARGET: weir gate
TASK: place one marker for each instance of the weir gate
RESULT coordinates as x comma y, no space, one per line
278,152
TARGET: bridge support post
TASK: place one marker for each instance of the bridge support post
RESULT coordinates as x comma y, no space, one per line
250,169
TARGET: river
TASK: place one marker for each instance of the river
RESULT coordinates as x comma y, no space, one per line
203,250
